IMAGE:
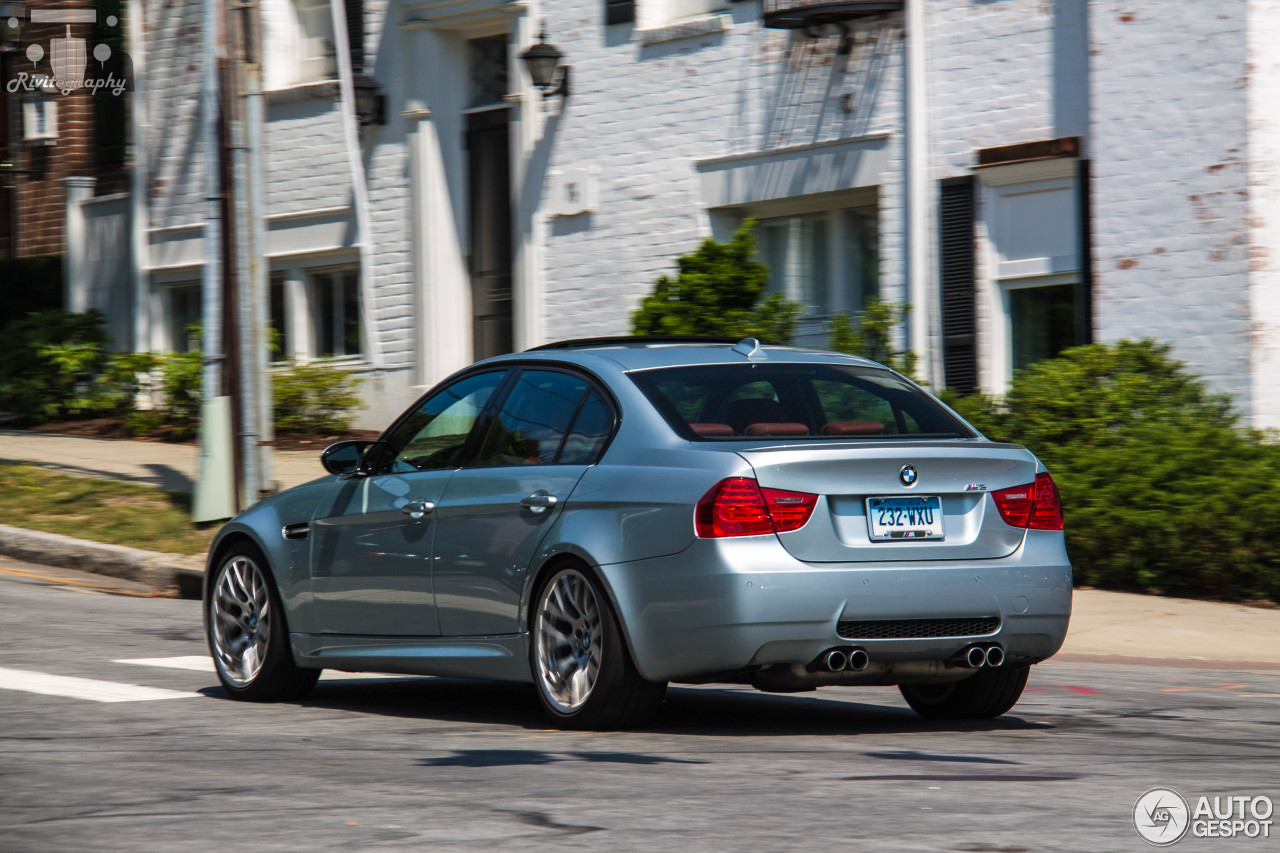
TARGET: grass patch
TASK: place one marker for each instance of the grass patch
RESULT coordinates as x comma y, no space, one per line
100,510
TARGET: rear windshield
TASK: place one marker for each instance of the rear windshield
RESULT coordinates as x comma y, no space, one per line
727,402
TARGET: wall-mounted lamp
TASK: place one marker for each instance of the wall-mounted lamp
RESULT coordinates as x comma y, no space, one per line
371,103
12,19
543,60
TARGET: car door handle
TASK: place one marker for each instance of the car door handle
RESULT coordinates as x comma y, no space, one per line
539,501
418,509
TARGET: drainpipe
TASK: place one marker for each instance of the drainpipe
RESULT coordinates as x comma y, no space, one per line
359,188
922,276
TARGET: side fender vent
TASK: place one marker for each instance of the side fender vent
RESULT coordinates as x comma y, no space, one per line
301,530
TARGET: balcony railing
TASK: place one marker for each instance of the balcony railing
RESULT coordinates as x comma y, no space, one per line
795,14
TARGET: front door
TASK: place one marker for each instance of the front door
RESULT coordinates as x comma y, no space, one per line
489,182
371,556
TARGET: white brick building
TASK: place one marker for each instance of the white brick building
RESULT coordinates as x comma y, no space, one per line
1026,173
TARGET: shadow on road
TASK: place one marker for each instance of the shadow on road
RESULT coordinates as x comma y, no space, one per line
692,711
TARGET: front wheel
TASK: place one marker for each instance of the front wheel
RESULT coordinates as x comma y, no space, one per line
584,674
247,633
985,694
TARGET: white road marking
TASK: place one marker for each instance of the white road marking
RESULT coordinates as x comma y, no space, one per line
83,688
204,663
195,663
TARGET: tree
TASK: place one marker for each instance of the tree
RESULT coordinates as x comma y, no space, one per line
718,291
869,334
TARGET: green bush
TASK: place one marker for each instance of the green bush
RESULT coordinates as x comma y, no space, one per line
869,334
313,397
48,361
719,291
180,382
1163,490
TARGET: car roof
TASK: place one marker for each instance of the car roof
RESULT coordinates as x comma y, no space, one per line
645,352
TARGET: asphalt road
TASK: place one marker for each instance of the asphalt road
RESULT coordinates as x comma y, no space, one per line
412,763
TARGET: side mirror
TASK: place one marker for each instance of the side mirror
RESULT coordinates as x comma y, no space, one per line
348,458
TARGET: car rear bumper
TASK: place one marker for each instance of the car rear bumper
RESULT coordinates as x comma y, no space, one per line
729,605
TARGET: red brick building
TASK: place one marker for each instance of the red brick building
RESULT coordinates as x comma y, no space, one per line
49,134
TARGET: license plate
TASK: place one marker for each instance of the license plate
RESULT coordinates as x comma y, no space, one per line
915,517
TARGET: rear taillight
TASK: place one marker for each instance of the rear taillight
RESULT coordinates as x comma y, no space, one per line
1036,505
739,507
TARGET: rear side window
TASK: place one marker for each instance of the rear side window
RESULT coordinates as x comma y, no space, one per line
548,417
753,401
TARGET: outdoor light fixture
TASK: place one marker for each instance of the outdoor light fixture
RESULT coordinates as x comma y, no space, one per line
371,103
542,60
12,18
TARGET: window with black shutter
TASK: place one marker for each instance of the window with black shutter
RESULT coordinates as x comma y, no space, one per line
956,249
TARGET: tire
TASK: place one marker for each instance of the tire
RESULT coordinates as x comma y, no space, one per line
247,634
985,694
582,670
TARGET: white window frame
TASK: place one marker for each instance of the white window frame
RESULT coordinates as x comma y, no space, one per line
336,274
998,276
166,289
298,43
811,329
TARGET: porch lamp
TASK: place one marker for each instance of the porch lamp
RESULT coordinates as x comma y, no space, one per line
12,18
371,103
542,60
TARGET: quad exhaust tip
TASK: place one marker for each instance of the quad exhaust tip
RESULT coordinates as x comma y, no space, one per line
980,656
842,660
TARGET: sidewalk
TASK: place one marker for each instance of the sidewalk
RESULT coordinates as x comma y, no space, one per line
1105,626
150,463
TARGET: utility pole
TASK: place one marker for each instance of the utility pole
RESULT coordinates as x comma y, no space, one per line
235,412
248,284
215,496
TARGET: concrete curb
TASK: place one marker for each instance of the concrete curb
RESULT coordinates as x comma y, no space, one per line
163,572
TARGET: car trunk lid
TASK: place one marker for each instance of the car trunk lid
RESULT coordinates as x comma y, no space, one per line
960,473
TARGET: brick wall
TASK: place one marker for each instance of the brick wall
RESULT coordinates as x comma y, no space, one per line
1169,92
643,115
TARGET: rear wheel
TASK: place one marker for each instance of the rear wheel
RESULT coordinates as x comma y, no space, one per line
584,674
247,633
985,694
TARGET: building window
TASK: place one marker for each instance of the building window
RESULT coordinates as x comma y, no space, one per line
488,71
183,311
1042,322
298,42
335,304
281,344
1035,266
828,261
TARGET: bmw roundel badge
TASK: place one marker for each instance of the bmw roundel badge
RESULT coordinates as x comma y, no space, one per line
908,475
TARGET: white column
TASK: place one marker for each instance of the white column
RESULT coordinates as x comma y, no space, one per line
75,267
922,277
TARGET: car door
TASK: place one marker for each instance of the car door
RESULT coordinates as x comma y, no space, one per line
371,558
550,427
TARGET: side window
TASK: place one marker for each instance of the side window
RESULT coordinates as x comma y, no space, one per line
589,432
533,419
435,435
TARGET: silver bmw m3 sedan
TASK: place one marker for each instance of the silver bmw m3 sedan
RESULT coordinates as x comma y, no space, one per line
602,517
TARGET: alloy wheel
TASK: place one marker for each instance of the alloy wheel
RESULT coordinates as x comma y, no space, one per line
241,616
569,640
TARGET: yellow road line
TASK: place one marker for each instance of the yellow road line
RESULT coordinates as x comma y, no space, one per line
44,576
